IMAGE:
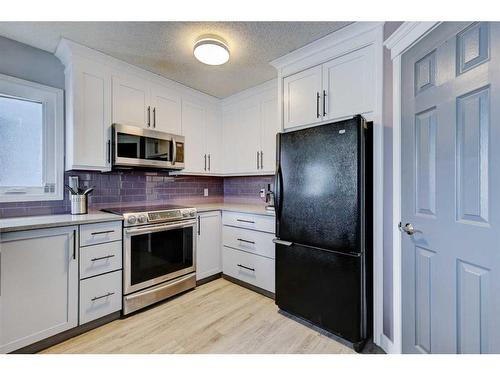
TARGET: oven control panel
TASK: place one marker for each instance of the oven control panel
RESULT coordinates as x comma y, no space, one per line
141,218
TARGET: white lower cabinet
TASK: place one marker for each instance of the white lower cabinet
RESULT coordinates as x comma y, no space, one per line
248,248
208,251
100,296
250,268
38,285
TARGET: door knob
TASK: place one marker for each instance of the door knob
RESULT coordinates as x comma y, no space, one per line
407,228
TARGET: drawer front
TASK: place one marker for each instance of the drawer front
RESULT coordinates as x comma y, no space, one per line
93,234
251,268
249,240
99,259
256,222
100,296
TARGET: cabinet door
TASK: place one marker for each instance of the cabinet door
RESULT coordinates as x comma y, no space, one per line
230,138
39,285
214,141
208,252
269,127
88,97
193,129
248,140
131,101
301,104
348,82
165,110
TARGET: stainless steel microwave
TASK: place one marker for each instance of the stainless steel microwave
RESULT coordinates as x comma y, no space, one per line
145,148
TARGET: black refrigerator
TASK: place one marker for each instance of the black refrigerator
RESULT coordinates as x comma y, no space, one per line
323,203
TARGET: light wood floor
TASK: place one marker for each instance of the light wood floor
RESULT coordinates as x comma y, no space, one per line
218,317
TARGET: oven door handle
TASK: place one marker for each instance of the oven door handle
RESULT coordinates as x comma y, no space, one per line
160,228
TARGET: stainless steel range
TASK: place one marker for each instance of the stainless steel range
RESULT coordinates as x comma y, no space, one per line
159,253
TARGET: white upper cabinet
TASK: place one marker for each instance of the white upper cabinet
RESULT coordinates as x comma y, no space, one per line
333,78
131,101
88,117
348,85
250,123
269,127
193,129
213,133
302,98
38,285
165,110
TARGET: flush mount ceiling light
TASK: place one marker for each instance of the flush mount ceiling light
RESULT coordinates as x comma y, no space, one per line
211,50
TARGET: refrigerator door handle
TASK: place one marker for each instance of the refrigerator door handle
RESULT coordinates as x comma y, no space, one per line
281,242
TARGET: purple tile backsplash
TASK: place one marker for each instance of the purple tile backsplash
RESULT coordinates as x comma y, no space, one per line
135,186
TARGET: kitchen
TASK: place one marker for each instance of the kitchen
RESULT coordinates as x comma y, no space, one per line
186,195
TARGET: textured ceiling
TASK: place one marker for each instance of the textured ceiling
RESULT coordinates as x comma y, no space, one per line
165,48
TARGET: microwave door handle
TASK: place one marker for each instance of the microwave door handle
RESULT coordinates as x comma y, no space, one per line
174,151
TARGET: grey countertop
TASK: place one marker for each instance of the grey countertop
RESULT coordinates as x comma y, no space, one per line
51,221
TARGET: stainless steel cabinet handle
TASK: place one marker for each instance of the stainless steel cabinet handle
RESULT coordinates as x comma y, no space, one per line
109,151
74,244
245,267
258,165
407,228
317,105
102,232
103,296
246,221
262,160
199,226
102,258
0,272
149,116
242,240
324,103
208,161
205,162
154,117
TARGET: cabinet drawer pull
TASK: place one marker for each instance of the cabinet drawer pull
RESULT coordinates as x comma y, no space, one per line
102,258
245,267
242,240
103,296
102,232
246,221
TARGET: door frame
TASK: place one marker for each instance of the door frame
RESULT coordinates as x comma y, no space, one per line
405,37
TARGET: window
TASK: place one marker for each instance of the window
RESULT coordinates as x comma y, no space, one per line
31,141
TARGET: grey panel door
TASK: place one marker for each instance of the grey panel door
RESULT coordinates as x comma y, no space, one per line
451,190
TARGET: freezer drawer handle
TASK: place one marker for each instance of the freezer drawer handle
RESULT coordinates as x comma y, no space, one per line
103,296
245,267
281,242
246,221
247,241
102,258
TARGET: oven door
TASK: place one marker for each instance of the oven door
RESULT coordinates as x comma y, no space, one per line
157,253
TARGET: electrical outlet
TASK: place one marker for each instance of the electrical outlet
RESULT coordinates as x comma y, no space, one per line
205,192
262,193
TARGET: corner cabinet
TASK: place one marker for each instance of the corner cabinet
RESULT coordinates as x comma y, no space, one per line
208,252
38,285
250,124
332,78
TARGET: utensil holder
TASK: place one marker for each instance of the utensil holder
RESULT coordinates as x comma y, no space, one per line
78,204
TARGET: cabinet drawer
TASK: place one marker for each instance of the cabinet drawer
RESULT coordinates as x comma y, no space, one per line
93,234
99,259
257,222
249,240
251,268
100,296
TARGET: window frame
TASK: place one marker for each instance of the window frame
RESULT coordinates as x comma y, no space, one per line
52,100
